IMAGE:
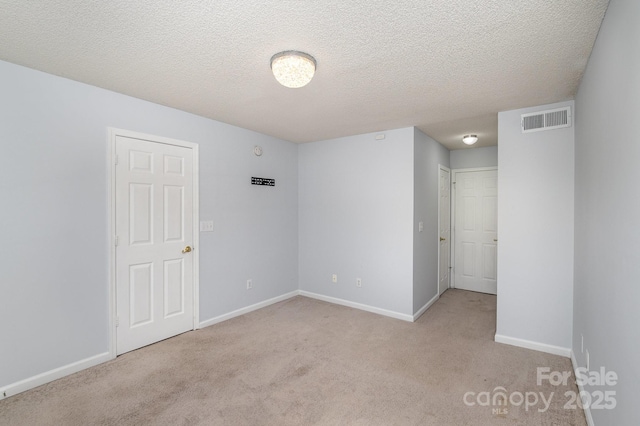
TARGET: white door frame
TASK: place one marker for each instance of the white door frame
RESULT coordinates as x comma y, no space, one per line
111,158
441,167
454,172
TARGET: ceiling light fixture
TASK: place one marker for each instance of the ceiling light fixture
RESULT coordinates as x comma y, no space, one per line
292,68
470,139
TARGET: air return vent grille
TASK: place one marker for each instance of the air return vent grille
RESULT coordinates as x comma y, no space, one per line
546,120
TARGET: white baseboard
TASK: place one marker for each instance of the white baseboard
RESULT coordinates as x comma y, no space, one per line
356,305
425,307
66,370
536,346
247,309
587,410
54,374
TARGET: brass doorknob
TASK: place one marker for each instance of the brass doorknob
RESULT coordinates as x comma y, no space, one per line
187,249
442,239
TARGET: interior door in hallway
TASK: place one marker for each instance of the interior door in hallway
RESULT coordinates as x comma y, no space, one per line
154,238
476,230
444,229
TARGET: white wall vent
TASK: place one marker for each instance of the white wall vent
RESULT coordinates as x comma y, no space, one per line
546,120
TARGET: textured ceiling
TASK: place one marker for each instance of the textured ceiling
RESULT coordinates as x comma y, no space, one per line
445,66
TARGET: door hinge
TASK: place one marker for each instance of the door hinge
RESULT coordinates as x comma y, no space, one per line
117,321
116,240
117,159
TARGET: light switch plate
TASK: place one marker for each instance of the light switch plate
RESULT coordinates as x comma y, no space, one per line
206,226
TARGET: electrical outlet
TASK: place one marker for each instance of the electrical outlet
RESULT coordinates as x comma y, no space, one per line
586,358
334,278
420,226
249,284
358,282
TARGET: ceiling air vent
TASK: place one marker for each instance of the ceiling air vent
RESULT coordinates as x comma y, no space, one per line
546,120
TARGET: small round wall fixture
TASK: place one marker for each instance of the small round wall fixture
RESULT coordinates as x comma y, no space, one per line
292,68
257,150
470,139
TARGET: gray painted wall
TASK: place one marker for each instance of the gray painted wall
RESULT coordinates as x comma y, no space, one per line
428,154
53,185
467,158
355,216
607,235
535,231
256,227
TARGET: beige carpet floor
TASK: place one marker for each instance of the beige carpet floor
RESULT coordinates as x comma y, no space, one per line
306,362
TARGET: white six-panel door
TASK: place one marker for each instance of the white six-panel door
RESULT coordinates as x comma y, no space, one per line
154,239
444,226
476,230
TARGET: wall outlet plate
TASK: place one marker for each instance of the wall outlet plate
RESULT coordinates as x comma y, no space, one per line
586,358
206,226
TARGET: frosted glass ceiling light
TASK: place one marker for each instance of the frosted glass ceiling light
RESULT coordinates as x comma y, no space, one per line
470,139
293,69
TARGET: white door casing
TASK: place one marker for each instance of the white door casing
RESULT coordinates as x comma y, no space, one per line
475,229
444,229
154,200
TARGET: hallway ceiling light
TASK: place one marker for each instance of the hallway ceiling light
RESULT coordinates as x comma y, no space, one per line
292,68
470,139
